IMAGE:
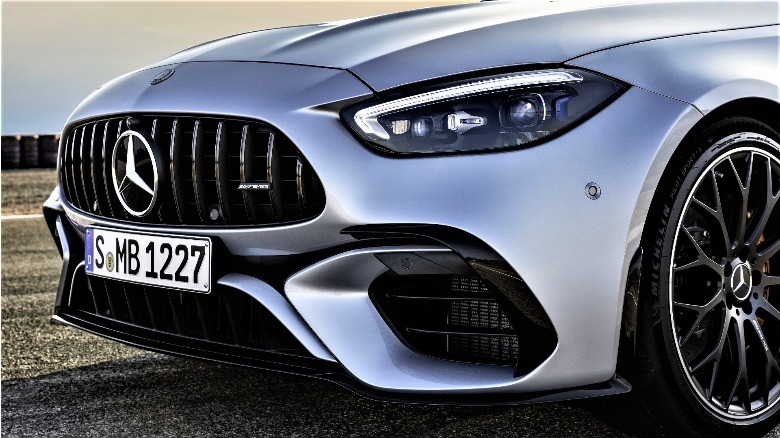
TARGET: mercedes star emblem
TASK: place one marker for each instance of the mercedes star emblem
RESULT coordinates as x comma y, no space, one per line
136,172
741,281
163,75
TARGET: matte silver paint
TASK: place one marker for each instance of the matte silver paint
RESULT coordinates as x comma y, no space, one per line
716,68
393,50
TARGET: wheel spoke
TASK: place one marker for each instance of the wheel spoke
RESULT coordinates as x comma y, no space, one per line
771,362
744,188
717,212
769,252
741,369
771,309
717,352
771,202
703,260
770,281
701,312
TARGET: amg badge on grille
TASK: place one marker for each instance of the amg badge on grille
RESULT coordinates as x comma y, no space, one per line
254,186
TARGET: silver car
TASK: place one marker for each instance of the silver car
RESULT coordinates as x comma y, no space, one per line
493,203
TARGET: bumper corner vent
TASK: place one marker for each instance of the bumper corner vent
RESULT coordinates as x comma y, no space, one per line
447,316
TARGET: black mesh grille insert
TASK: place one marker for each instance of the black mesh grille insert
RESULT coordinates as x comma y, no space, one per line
225,316
447,316
205,161
483,315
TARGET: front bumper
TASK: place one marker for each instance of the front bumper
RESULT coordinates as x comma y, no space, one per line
528,207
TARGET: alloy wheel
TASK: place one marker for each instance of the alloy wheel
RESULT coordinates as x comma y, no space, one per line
724,283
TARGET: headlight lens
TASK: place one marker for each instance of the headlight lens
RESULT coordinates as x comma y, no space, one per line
496,112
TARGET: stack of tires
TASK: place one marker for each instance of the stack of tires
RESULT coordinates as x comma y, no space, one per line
29,151
10,152
47,150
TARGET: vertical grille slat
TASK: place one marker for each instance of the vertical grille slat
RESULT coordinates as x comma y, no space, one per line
221,172
248,172
75,152
152,309
86,184
155,133
176,173
205,317
274,169
129,302
121,126
106,160
198,183
204,160
175,312
300,184
233,316
65,172
96,166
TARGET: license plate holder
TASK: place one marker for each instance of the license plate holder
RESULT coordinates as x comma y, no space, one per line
151,259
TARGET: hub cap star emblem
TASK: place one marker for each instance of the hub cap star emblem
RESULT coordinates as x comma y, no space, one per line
741,281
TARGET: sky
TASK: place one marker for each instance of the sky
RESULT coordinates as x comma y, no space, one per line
55,53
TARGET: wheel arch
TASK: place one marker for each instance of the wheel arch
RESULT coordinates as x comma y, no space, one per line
762,109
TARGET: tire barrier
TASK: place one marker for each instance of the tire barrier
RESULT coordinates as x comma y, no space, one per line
10,152
47,150
29,151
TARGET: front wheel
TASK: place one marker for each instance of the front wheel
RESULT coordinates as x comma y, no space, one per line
709,327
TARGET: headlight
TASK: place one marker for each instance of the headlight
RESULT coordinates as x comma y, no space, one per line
496,112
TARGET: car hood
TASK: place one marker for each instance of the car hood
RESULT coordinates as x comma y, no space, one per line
391,50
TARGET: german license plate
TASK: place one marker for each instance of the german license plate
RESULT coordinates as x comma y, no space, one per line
174,262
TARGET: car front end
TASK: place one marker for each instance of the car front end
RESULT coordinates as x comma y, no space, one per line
343,219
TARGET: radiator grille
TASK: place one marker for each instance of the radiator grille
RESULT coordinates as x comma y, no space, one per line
447,316
205,160
225,316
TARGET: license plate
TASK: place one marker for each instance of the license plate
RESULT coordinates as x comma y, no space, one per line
173,262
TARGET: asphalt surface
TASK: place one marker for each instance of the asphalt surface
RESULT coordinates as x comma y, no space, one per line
59,381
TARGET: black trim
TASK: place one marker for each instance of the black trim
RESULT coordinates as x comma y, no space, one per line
628,324
158,341
334,373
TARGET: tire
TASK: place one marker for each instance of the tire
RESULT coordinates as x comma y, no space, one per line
708,303
29,152
10,152
47,151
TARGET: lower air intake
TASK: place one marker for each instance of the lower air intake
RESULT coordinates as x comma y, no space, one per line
225,316
447,316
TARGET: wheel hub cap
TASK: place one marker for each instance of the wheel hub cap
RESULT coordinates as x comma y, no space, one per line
741,280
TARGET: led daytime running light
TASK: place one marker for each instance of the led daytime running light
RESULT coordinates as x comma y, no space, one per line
366,118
